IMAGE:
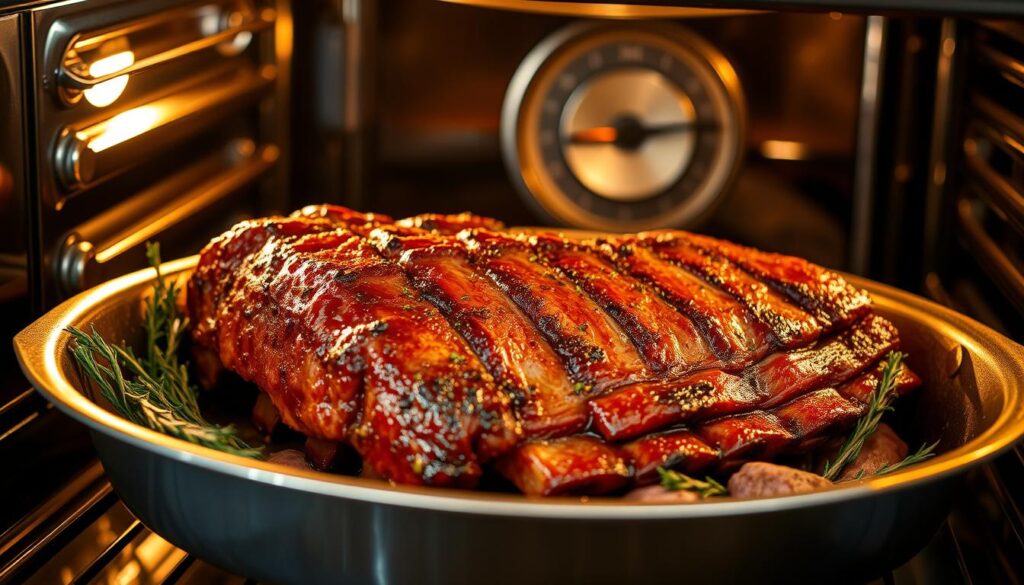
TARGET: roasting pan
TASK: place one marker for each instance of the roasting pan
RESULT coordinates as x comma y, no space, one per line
283,525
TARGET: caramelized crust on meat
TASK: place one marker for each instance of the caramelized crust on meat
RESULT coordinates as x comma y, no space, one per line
515,353
578,464
595,350
348,353
790,325
667,340
823,293
436,344
730,330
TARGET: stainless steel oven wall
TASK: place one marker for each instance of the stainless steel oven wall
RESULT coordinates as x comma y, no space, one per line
440,71
15,303
154,121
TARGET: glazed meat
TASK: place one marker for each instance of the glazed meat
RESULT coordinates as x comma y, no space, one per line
441,346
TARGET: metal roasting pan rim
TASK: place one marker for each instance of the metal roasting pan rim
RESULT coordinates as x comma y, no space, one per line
39,346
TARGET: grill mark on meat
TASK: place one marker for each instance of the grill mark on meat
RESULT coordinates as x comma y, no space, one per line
648,406
822,292
782,376
668,341
503,338
727,326
428,417
790,325
547,402
348,373
593,348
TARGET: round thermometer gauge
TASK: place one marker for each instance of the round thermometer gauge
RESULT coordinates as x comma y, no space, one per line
623,127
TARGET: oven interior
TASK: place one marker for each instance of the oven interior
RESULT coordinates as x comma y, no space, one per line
889,145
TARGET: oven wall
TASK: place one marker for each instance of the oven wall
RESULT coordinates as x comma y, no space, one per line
424,133
197,142
192,144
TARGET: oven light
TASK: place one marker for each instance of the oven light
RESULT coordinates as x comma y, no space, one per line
784,150
106,93
122,127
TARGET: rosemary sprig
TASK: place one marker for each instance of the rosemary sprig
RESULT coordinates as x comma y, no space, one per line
675,481
879,404
154,391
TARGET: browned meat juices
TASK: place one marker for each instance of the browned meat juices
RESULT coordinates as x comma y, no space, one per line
438,344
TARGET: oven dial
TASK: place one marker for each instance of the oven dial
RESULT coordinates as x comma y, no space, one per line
623,127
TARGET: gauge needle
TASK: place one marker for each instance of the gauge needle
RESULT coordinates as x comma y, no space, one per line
629,133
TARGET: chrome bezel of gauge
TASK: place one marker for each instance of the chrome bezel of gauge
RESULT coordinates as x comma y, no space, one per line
528,88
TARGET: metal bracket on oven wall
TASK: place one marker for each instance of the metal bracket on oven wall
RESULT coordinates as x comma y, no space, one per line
867,138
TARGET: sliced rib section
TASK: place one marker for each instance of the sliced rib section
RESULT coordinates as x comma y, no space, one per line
782,376
795,426
648,406
593,348
790,326
682,450
668,341
346,352
822,292
730,330
515,353
577,464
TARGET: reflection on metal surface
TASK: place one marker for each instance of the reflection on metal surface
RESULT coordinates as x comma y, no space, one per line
601,10
92,153
784,150
650,163
996,262
160,39
678,112
122,127
153,212
115,549
936,195
867,136
107,92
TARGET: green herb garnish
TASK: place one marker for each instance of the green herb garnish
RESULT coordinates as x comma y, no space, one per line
675,481
879,403
154,391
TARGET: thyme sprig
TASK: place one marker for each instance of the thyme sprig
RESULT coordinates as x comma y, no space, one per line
879,404
675,481
154,391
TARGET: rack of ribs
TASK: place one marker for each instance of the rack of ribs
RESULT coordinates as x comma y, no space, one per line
440,346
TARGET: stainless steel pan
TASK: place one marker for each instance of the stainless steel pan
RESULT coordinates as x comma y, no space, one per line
283,525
